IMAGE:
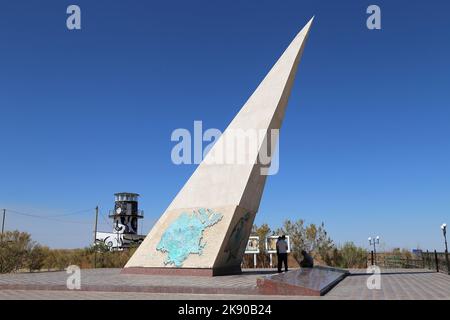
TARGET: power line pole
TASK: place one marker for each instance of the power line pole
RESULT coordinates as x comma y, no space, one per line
95,237
3,222
1,239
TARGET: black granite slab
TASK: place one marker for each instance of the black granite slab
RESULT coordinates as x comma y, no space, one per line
304,281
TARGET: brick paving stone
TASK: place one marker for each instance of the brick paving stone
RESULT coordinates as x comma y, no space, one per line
112,280
417,284
99,295
109,283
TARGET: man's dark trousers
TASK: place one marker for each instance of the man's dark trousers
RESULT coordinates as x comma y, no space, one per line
282,258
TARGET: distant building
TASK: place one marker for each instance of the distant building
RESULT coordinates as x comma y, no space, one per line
125,215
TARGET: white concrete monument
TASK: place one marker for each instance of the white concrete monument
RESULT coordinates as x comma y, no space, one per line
205,229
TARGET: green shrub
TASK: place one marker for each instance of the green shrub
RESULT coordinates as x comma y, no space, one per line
14,249
350,256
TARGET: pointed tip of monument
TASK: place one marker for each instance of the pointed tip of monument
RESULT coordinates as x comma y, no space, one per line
308,24
305,30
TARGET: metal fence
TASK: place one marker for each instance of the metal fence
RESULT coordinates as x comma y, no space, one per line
437,261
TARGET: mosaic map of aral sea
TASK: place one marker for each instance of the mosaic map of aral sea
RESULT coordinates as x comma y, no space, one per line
184,235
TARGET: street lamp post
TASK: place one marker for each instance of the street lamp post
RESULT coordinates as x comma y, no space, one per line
374,242
444,231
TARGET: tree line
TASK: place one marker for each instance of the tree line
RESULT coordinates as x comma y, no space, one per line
18,252
315,240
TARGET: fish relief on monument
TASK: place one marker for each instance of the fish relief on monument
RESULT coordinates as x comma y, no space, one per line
237,239
184,236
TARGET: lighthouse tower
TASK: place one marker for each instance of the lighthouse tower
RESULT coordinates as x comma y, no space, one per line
125,215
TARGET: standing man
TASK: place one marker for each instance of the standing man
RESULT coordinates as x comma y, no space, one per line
282,248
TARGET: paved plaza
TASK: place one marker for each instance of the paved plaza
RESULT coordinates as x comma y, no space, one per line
396,284
110,284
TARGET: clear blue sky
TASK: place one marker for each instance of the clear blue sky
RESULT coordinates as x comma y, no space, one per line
365,146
